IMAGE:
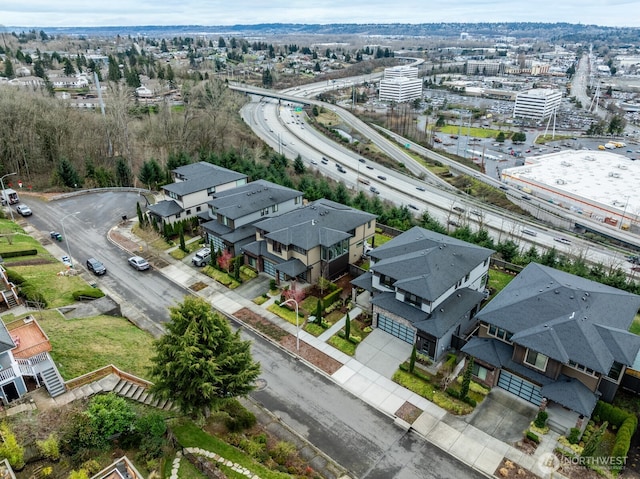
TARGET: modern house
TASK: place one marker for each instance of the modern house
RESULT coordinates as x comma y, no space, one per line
426,288
193,186
233,212
553,338
25,360
318,240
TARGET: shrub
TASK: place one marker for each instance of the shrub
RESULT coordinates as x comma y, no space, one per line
239,417
574,436
88,293
10,449
150,432
50,447
18,253
109,414
15,278
607,412
532,436
282,451
331,298
272,285
30,293
80,474
541,420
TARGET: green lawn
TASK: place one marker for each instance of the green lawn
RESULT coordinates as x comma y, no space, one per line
635,326
221,277
381,239
498,280
473,132
57,289
190,435
84,345
286,313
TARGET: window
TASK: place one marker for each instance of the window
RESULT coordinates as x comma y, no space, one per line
296,200
412,299
264,211
614,372
198,208
224,220
582,367
189,211
479,371
387,281
499,333
369,224
252,261
277,247
466,278
274,208
211,190
300,250
536,359
178,215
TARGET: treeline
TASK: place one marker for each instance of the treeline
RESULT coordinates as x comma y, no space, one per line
38,132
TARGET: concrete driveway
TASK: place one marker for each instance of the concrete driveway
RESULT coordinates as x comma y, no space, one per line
503,416
254,288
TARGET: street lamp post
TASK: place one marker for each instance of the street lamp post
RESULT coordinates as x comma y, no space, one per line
66,240
4,196
291,300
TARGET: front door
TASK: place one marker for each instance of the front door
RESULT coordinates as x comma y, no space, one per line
10,392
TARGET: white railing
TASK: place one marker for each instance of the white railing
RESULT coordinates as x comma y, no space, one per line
39,358
7,374
24,365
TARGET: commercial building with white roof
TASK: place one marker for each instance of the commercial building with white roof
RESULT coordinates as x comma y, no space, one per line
600,185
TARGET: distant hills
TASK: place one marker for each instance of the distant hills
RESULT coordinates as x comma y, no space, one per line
566,31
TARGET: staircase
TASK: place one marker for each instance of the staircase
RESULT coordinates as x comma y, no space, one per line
10,299
140,393
53,382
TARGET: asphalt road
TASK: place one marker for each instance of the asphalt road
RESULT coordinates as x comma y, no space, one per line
86,233
357,436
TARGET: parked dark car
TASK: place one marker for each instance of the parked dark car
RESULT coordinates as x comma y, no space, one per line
55,235
96,267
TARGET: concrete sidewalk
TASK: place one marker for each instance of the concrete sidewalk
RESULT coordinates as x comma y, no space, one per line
451,433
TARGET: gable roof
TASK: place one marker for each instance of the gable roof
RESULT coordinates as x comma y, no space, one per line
6,342
201,176
567,318
165,208
244,200
320,223
426,263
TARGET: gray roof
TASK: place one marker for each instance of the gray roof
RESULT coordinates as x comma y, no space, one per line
259,249
165,208
247,199
201,176
228,234
426,263
6,342
363,281
450,313
565,391
292,267
321,222
567,317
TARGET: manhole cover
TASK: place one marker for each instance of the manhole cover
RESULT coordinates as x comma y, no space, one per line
260,384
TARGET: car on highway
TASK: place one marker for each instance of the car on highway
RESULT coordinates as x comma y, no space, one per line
453,223
138,262
362,160
96,267
383,178
562,240
529,232
476,212
458,209
324,161
374,190
413,207
341,169
421,188
24,210
314,162
503,187
369,167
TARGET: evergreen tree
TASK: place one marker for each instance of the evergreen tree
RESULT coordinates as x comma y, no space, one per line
123,173
8,67
68,175
200,362
183,245
347,327
412,359
466,378
114,73
141,218
68,67
298,165
594,440
319,312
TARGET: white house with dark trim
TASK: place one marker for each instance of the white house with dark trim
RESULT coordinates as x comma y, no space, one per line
192,188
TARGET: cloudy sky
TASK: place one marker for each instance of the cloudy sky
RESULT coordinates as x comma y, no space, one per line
57,13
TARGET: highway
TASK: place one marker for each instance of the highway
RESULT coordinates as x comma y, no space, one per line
286,131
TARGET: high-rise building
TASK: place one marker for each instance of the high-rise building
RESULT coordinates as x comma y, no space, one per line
538,103
400,84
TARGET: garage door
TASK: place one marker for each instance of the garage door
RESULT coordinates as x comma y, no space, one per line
396,329
269,268
521,388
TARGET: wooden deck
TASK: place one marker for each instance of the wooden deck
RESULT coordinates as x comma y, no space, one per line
29,338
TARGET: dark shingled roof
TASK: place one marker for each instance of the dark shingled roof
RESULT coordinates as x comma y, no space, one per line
571,393
567,318
201,176
292,267
6,342
426,263
363,281
321,223
247,199
165,208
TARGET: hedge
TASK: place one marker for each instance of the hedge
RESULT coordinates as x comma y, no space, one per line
14,277
532,436
18,253
331,298
626,423
88,293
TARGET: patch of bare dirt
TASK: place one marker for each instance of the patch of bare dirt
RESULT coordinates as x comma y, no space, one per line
198,286
509,469
409,412
307,352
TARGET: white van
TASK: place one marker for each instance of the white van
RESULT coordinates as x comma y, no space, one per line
202,257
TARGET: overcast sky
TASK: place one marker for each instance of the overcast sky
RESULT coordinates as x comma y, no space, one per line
58,13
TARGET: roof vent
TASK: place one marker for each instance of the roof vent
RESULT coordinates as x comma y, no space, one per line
313,222
557,291
442,310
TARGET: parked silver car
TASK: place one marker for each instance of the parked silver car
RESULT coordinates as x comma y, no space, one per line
139,263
